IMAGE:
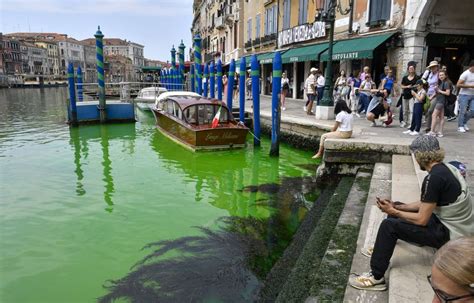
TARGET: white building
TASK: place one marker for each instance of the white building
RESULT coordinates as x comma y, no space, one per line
70,50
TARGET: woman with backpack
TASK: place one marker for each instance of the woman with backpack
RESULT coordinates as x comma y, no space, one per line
443,91
419,95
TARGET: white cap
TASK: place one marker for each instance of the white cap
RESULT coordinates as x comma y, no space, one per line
313,70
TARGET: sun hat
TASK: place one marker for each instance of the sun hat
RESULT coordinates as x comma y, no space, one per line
433,63
425,143
313,70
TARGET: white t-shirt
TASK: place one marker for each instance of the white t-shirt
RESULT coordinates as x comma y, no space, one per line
310,80
321,81
468,78
345,120
284,80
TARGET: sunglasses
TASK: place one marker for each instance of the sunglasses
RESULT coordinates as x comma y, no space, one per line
443,297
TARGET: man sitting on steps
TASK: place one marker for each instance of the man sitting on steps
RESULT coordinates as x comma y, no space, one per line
445,211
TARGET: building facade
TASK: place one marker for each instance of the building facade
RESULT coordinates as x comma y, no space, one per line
35,59
53,55
373,33
70,51
11,56
90,61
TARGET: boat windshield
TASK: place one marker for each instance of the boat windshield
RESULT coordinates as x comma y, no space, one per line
149,93
203,114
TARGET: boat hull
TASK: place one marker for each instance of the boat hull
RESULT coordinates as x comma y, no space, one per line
201,138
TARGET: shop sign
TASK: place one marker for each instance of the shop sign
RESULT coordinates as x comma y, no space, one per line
302,33
345,56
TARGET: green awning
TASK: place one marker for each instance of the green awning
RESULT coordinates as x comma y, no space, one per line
304,53
151,68
359,48
266,58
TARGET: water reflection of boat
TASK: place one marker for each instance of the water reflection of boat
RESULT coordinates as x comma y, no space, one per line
187,119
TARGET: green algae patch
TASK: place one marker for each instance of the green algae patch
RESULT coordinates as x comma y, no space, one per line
304,273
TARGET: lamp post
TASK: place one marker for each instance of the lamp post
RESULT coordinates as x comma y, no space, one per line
326,12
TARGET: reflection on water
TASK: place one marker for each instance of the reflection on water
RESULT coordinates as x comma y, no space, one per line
217,220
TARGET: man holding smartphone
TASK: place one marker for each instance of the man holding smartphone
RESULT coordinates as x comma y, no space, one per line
445,211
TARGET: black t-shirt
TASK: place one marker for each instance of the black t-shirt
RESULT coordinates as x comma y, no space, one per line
444,86
405,82
440,186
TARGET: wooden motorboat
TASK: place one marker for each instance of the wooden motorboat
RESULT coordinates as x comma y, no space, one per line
187,118
149,94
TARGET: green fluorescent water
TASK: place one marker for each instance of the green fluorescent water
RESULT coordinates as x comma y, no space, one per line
78,205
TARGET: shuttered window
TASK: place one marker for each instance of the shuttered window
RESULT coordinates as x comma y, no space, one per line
379,12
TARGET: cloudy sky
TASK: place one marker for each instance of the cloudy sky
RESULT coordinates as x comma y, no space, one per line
157,24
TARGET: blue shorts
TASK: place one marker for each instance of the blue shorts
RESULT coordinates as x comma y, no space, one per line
311,97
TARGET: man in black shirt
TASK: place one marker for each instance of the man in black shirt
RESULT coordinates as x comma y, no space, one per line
444,192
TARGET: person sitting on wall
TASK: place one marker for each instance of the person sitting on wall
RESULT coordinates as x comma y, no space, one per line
445,211
452,273
342,128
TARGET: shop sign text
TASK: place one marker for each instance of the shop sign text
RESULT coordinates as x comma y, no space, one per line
302,33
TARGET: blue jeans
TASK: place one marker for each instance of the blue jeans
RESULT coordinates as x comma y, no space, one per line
464,115
364,101
417,116
320,93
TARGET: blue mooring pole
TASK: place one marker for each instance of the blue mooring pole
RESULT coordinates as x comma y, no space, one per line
174,73
191,72
80,95
99,47
230,85
276,113
212,80
198,62
219,79
206,77
243,66
255,74
72,94
181,48
173,57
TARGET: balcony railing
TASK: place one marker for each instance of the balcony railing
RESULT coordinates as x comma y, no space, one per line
256,41
248,44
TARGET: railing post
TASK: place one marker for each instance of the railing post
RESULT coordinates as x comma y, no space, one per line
230,85
206,79
192,78
181,63
255,74
243,66
212,80
100,73
276,113
219,79
80,95
72,94
198,61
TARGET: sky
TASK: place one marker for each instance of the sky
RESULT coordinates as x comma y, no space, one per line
157,24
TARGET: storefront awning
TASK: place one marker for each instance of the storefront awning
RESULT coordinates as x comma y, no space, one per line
360,48
266,58
304,53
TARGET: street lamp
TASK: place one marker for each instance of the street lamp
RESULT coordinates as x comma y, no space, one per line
326,12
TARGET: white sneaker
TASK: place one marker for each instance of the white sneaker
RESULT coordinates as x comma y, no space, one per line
407,132
431,133
373,124
304,108
357,114
402,124
366,281
439,135
466,128
461,129
414,133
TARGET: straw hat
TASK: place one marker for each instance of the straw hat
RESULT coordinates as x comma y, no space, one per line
433,63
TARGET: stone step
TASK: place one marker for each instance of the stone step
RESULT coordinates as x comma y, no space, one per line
380,186
303,274
331,280
278,275
410,264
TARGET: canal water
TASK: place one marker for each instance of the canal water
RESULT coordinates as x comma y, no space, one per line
105,212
